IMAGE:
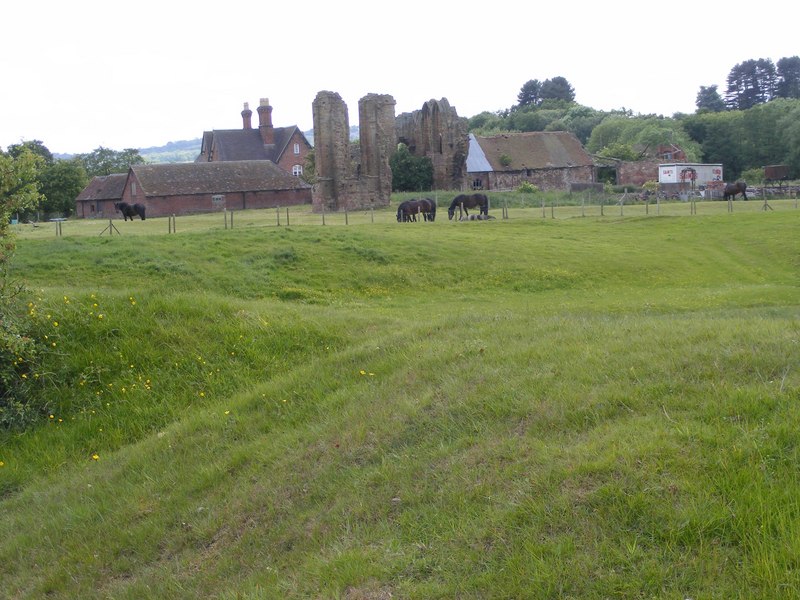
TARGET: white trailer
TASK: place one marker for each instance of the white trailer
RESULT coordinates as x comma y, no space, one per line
685,179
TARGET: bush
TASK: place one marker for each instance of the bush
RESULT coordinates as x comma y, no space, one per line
19,354
526,187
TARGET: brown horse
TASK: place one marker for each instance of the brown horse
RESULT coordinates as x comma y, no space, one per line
731,189
465,201
409,210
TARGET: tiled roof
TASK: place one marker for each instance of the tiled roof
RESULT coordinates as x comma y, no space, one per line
532,150
244,144
214,178
106,187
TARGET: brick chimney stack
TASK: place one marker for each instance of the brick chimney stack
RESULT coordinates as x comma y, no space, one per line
246,116
265,122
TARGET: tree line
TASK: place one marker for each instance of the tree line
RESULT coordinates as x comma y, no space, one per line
756,124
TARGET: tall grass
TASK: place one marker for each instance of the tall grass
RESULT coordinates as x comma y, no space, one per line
526,408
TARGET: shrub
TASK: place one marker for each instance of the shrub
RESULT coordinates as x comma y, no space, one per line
526,187
19,355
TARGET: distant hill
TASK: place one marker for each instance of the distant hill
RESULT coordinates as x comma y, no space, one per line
173,152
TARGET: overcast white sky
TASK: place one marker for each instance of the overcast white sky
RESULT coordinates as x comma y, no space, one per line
79,75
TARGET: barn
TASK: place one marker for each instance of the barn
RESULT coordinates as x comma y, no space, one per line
186,188
550,160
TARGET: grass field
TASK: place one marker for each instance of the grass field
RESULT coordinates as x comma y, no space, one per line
545,406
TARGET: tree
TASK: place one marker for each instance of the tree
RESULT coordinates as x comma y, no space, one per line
18,350
709,100
61,182
530,94
19,190
557,88
410,173
788,77
750,83
35,147
104,161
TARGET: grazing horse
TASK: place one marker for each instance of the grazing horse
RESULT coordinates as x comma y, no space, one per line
409,209
466,201
130,210
731,189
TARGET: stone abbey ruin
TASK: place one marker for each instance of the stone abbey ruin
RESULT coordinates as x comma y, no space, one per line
356,177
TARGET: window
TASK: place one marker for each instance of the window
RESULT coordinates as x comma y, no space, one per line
297,149
133,189
297,170
477,184
217,200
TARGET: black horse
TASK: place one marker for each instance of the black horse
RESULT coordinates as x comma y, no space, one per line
130,210
465,201
408,210
731,189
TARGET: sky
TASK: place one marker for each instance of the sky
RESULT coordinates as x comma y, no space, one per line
80,75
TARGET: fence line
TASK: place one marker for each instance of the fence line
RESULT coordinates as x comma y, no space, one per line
583,206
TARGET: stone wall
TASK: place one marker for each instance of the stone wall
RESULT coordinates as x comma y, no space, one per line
342,182
636,172
438,133
544,179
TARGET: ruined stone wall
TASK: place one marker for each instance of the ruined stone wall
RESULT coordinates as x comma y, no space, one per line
438,133
331,149
636,173
341,183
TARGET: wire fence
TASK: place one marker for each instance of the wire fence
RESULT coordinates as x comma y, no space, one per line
502,207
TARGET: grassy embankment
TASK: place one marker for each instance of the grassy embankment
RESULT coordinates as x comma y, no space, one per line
538,408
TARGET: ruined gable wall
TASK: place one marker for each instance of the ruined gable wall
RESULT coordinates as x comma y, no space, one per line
438,133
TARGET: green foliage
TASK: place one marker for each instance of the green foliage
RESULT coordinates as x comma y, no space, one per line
650,186
410,173
709,100
310,168
104,161
644,134
751,83
61,182
505,160
619,151
740,139
753,176
20,385
526,187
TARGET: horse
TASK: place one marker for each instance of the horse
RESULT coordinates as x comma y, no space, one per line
428,209
466,201
409,209
130,210
731,189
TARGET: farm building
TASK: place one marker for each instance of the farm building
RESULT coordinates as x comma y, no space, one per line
687,178
99,196
185,188
549,160
287,147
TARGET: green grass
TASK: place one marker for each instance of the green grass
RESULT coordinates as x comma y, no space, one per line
594,407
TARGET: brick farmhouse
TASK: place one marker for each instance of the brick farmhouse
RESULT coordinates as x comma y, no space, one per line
236,169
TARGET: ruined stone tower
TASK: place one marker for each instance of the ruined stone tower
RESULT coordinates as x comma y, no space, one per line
344,182
437,132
